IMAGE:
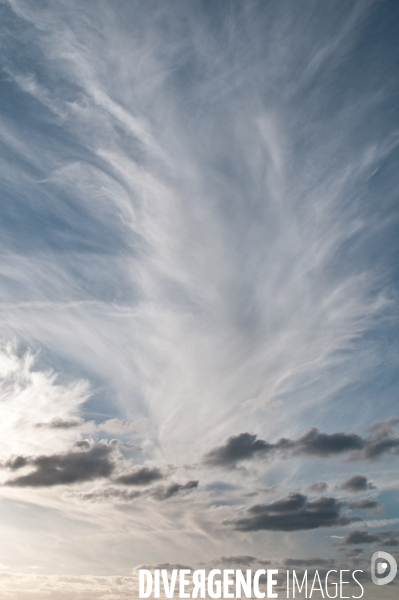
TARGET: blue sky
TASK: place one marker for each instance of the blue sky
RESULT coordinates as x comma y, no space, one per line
198,237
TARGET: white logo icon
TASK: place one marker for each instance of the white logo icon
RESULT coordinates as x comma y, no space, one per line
381,567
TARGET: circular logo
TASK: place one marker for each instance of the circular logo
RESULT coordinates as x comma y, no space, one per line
381,567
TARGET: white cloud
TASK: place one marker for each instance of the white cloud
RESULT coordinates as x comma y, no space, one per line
189,200
30,396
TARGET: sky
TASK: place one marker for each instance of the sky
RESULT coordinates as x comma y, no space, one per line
199,289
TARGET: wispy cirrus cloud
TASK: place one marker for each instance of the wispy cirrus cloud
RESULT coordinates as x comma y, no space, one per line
197,234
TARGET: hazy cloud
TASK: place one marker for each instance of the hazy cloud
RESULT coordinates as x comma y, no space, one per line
317,486
365,504
383,538
164,493
159,493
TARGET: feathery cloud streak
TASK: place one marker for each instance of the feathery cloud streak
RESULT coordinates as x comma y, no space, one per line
197,239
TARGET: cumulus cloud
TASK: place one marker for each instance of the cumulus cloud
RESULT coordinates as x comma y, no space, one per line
141,476
356,483
86,464
246,446
292,513
235,449
359,537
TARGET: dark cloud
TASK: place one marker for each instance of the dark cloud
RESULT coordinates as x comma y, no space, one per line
59,423
111,493
292,502
235,449
167,566
306,562
85,463
16,462
293,512
124,495
164,493
241,559
85,444
357,553
317,486
356,483
315,443
365,504
246,446
141,476
358,537
382,538
246,560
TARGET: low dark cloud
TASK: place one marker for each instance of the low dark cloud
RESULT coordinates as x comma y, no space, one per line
241,559
16,462
356,483
246,446
316,443
159,493
235,449
353,554
306,562
84,463
166,492
292,513
365,504
141,476
166,565
110,493
382,538
59,423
